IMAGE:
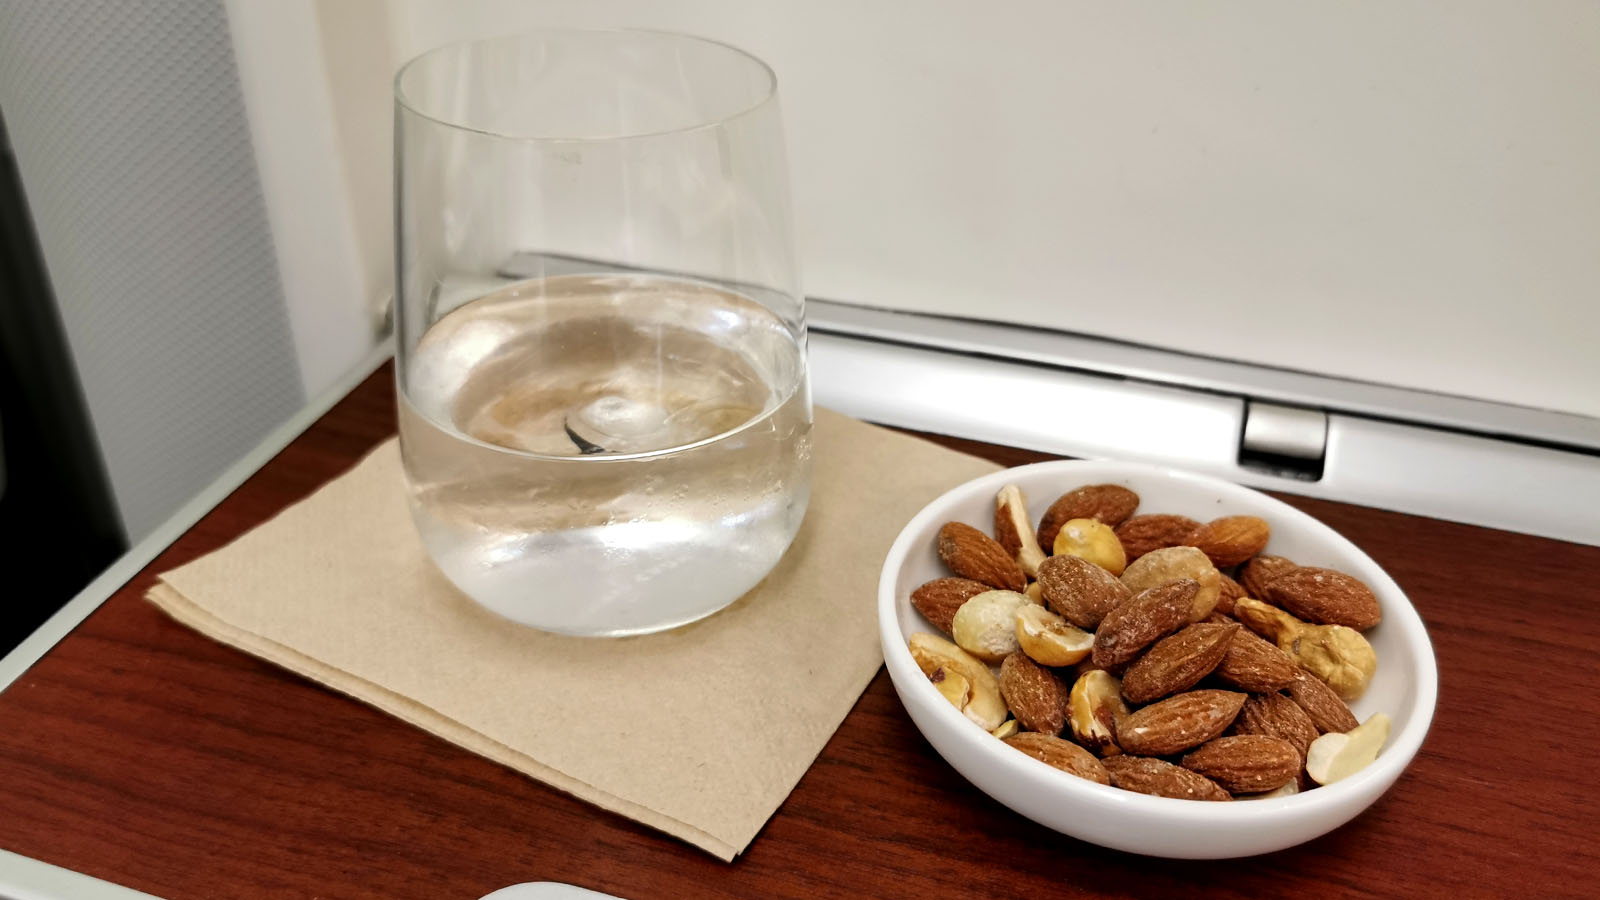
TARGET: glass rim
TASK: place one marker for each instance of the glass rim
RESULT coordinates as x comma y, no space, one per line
768,94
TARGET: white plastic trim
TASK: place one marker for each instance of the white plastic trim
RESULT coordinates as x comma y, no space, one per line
1390,465
278,51
25,878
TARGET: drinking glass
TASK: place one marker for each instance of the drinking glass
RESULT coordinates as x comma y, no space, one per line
604,412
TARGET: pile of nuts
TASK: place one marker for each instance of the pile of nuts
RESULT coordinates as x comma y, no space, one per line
1153,653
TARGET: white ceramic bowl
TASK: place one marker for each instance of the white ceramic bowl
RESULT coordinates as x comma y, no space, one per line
1405,685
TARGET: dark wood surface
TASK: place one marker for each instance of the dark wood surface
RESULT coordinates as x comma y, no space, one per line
139,752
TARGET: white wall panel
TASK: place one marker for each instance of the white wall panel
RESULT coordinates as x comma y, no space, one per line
1403,191
312,126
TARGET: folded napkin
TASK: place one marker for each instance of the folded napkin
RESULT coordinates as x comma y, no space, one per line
700,732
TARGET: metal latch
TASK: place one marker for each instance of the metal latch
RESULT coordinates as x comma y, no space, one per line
1288,441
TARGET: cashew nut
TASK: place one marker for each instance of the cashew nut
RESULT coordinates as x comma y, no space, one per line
1014,529
1334,755
952,685
1050,640
1093,708
985,706
1094,541
986,625
1339,656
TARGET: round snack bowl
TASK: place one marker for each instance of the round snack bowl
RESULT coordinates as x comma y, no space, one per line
1405,684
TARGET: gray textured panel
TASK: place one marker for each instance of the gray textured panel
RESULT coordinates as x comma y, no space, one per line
136,158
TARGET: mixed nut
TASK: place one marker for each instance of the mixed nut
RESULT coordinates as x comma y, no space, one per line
1153,653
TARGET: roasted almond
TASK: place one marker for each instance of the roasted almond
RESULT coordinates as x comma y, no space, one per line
1258,572
1141,534
1178,723
1246,763
1326,710
1141,621
1062,754
1231,540
1275,715
1172,563
1014,530
1080,591
1326,597
1087,665
1035,695
972,554
1288,790
939,599
1177,663
1109,503
1256,665
1161,779
1228,591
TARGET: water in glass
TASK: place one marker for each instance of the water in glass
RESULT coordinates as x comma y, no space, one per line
607,454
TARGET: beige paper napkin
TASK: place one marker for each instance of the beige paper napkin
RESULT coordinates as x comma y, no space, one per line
700,732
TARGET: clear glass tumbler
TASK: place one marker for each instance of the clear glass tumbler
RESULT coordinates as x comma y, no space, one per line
604,411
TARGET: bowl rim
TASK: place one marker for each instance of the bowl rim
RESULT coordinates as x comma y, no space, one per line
1327,800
